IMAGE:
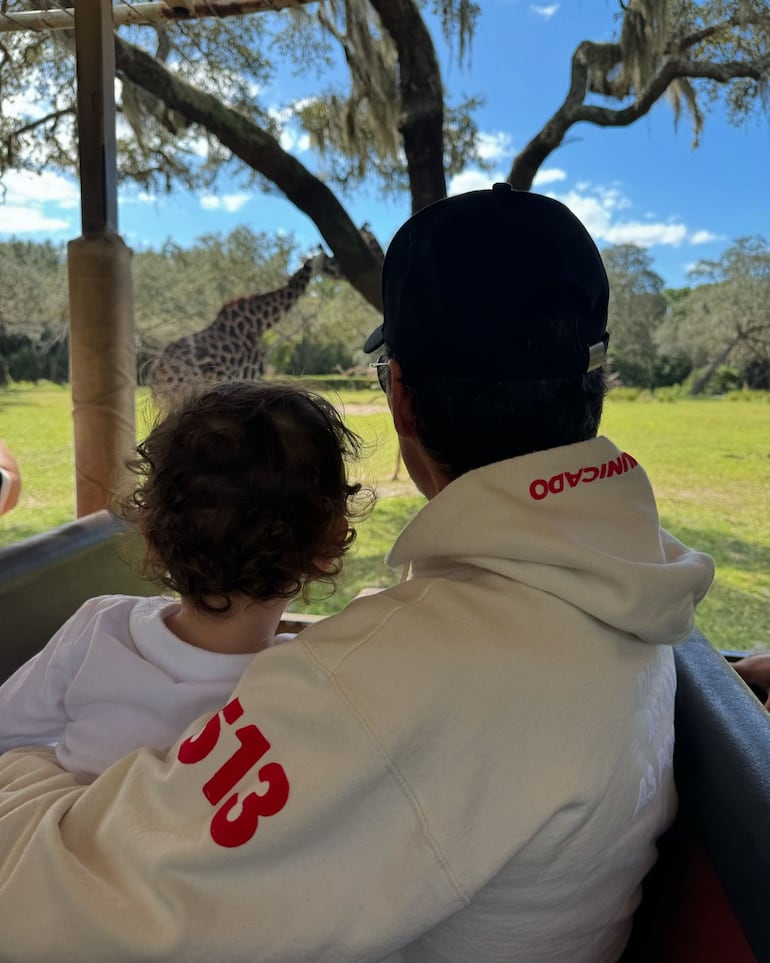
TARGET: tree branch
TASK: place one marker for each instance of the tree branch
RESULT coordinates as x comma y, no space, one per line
573,110
693,39
673,69
262,152
11,139
528,161
422,99
55,116
708,33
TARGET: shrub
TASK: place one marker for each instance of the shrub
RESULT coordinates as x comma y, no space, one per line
624,393
340,382
747,394
669,393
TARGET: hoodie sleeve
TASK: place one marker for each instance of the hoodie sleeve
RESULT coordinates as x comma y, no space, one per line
275,830
32,706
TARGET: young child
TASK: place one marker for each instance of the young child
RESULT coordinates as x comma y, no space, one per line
243,502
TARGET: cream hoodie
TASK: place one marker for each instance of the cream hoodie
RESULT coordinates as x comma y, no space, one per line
471,766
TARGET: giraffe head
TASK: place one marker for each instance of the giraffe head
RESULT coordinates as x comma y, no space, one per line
330,266
323,263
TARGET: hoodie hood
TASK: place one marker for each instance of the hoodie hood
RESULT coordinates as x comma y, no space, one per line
579,522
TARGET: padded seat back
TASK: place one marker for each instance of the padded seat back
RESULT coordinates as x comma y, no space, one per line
44,579
707,898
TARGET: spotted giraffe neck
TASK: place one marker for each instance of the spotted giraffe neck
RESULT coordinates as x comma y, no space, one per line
231,347
268,308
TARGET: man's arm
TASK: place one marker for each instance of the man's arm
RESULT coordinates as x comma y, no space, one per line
10,479
277,830
755,671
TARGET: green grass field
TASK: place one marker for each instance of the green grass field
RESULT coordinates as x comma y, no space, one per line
709,462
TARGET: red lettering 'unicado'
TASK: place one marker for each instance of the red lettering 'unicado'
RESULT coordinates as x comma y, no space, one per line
540,488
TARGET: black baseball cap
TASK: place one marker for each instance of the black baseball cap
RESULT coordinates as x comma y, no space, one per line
467,280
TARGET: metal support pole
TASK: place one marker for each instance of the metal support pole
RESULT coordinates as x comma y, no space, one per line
102,357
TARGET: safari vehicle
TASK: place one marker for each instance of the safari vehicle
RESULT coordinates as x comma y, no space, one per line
706,899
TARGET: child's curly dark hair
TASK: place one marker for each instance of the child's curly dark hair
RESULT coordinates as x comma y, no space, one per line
243,490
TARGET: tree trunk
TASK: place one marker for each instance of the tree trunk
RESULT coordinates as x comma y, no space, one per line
422,99
699,385
262,152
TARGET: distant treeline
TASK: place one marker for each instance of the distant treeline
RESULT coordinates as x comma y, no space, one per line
713,336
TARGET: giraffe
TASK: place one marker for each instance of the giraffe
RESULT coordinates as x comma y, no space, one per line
231,348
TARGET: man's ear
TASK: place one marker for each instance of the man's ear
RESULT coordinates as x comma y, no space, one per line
401,403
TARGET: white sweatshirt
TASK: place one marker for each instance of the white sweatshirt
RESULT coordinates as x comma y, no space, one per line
470,766
112,679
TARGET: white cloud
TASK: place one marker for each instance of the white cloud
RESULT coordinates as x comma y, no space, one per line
545,12
234,202
704,237
24,187
291,140
19,106
284,114
128,194
197,145
28,220
600,207
32,203
122,127
227,202
592,212
493,145
548,176
613,197
597,208
290,137
646,235
472,180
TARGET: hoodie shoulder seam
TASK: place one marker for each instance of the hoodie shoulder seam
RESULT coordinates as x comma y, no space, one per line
360,716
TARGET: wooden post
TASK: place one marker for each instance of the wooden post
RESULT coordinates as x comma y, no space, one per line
102,355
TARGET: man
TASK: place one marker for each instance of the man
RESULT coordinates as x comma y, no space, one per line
10,479
472,765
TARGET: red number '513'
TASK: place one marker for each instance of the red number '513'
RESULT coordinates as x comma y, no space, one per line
236,821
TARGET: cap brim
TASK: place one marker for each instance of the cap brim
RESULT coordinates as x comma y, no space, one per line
375,340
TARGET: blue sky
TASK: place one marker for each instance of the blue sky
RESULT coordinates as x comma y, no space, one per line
642,184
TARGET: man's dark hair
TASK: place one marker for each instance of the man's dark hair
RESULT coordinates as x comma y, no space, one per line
466,423
243,489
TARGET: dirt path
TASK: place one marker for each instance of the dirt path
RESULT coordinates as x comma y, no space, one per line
365,409
403,485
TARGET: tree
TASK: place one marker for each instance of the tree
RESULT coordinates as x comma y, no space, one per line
33,311
637,307
32,280
192,96
727,316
